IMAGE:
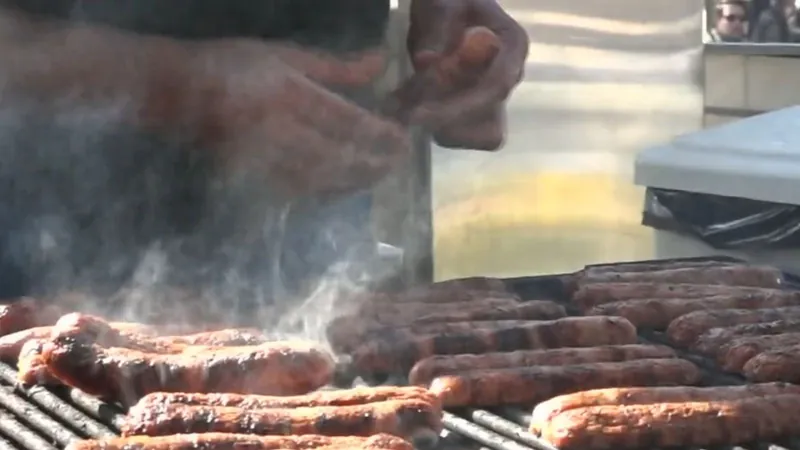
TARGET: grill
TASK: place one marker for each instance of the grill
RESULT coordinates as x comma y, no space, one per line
38,418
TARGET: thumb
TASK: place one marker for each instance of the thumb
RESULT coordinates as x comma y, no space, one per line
435,31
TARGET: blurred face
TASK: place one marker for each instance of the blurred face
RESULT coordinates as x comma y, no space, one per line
731,21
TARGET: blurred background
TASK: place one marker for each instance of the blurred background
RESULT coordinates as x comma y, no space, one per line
604,79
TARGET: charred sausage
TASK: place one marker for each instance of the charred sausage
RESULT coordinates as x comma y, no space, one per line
733,356
591,295
27,313
780,364
427,369
544,412
686,329
668,425
712,340
345,397
528,385
651,266
231,337
31,367
277,368
383,312
398,356
344,332
412,419
227,441
754,276
658,313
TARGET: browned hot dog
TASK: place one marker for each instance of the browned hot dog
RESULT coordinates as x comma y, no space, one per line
531,385
544,412
686,329
667,425
427,369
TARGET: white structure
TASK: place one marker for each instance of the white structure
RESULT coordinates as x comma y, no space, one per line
756,158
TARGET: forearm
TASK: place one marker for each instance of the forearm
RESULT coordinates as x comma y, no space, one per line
85,66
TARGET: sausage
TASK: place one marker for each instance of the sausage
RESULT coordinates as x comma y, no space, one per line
27,313
672,425
544,412
412,419
779,364
125,375
651,266
684,330
658,313
427,369
733,355
712,340
754,276
11,344
345,332
226,441
590,295
458,285
31,368
528,385
346,397
398,356
231,337
383,312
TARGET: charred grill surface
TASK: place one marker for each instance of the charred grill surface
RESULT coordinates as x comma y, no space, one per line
54,419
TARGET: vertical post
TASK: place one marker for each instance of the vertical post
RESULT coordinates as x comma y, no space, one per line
402,215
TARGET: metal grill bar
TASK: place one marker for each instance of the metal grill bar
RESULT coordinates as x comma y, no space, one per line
506,428
6,445
48,401
16,431
35,418
477,433
103,411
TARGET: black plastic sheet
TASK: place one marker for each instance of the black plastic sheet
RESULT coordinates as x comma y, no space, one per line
724,222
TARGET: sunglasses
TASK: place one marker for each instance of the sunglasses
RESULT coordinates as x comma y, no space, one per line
734,18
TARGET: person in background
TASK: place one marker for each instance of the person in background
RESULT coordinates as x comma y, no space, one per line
772,24
731,21
229,134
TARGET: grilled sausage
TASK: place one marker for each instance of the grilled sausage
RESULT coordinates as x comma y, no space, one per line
11,344
398,356
345,332
438,292
658,313
668,425
412,419
227,441
651,266
528,385
277,368
712,340
544,412
686,329
779,364
427,369
590,295
31,368
27,313
231,337
754,276
347,397
383,312
734,355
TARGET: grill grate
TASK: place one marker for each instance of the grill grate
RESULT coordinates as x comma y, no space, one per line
42,419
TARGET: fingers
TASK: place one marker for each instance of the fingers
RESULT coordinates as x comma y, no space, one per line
435,30
351,70
486,133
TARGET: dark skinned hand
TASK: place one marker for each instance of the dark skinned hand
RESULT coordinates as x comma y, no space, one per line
473,115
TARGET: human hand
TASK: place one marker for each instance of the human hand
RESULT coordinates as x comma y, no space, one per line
469,113
267,114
